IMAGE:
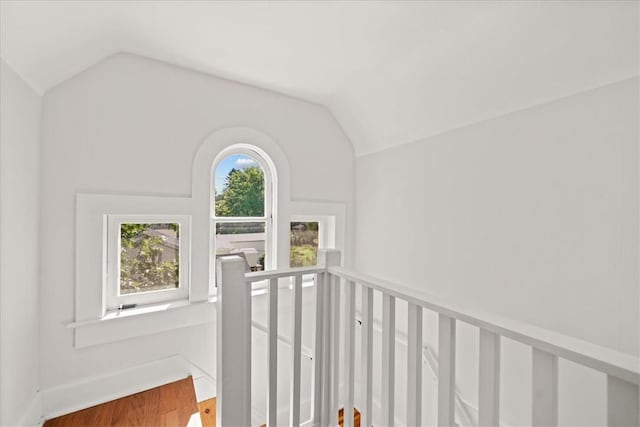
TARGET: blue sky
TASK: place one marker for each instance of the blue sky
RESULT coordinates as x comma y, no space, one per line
237,161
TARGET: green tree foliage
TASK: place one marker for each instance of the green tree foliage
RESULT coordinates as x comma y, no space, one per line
303,256
243,193
303,244
142,267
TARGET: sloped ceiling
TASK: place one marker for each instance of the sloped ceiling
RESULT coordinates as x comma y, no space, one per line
391,72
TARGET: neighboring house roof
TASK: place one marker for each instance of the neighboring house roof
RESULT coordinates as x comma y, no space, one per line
236,240
169,239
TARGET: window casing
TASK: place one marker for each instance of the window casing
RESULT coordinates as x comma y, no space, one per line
222,242
93,322
178,245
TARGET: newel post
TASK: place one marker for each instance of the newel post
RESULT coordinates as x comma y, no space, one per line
325,358
233,347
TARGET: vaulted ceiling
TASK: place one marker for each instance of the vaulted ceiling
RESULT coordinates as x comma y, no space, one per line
391,72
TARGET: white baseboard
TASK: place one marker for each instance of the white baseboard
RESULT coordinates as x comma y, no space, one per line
33,414
205,387
92,391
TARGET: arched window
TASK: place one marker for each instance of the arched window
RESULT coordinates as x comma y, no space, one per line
242,206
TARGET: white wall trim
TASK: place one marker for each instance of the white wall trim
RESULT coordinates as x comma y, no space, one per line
333,215
95,390
91,251
33,414
144,321
92,208
91,212
201,190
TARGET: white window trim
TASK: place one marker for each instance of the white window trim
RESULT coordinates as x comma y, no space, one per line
113,261
270,217
332,219
203,245
92,324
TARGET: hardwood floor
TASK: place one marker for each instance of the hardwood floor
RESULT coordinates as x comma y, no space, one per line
356,417
172,405
208,412
209,418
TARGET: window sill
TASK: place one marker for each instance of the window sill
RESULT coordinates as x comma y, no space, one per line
119,325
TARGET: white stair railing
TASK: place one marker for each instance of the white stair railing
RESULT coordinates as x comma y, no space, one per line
622,370
234,324
233,334
332,281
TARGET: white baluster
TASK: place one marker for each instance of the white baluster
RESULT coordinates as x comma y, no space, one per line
446,370
489,381
330,258
233,329
326,387
349,352
335,350
272,354
544,389
622,403
414,366
388,358
318,356
296,350
367,361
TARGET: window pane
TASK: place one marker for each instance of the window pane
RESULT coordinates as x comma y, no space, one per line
304,244
149,257
246,239
239,187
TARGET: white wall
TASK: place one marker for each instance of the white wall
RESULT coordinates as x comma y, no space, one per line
533,215
20,110
132,126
